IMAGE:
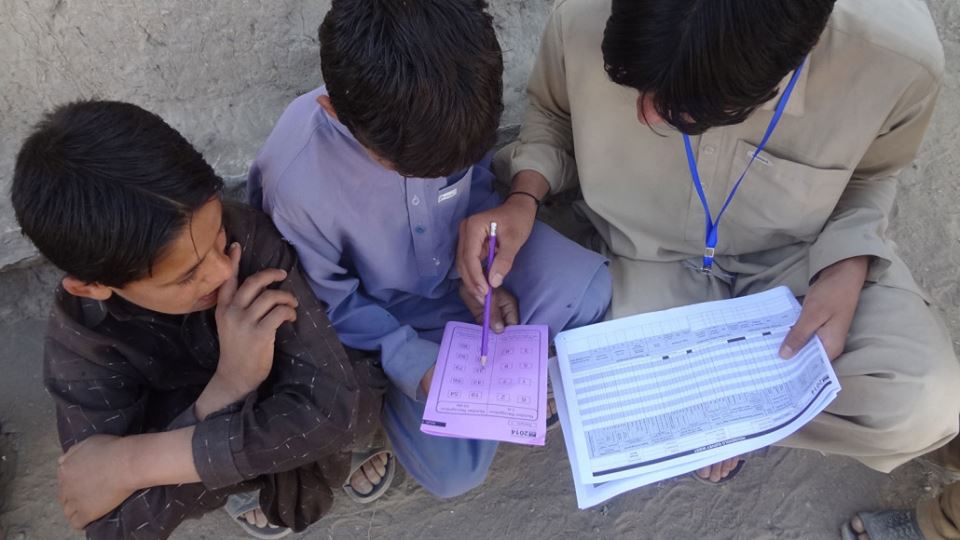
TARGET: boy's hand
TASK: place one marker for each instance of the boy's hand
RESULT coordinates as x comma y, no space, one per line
247,321
829,307
93,479
503,308
514,218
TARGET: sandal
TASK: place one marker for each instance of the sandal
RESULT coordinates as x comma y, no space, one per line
733,472
885,525
381,487
241,503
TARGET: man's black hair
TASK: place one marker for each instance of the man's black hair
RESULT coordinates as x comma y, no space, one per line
709,63
102,187
418,82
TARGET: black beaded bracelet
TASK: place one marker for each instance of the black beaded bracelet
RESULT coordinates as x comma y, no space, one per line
531,195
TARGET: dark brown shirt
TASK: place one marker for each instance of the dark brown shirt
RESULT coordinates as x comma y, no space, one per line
118,369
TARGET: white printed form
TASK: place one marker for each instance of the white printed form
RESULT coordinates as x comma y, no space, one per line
664,393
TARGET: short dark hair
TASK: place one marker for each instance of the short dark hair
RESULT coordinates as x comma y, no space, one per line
102,187
419,83
709,63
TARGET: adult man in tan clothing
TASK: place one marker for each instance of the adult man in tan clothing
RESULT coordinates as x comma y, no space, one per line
811,213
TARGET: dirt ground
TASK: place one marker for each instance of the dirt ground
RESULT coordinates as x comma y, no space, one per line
784,494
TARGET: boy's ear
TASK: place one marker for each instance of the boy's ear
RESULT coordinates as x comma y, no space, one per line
83,289
327,105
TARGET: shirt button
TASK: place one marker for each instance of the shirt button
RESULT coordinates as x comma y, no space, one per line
436,261
709,150
415,201
420,229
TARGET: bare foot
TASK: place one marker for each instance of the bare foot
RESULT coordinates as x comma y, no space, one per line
258,519
369,474
719,471
857,525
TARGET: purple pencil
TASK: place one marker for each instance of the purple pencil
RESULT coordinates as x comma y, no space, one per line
485,332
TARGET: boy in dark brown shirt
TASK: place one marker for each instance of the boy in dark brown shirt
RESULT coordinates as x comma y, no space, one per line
189,360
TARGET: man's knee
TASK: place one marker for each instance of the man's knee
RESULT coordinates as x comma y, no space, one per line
924,417
901,367
934,417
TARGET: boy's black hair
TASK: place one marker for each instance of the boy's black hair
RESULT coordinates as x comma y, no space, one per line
102,187
418,82
709,63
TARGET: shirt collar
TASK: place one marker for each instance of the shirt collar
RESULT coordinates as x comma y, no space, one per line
94,312
122,310
796,105
321,113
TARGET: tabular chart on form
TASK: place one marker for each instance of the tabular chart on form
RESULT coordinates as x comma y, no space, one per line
732,390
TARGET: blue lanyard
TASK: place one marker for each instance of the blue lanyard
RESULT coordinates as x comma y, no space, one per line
710,237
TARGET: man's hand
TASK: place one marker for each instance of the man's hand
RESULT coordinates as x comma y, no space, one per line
503,308
93,479
514,218
828,308
247,321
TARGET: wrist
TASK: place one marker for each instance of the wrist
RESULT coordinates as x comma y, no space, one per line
859,264
853,271
233,385
128,456
524,200
157,459
222,390
532,182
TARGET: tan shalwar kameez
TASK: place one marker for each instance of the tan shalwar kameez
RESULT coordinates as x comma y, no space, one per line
822,191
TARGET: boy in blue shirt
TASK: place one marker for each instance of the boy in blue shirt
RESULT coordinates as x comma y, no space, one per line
369,178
